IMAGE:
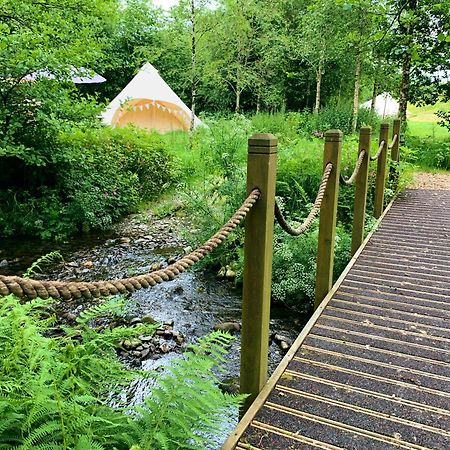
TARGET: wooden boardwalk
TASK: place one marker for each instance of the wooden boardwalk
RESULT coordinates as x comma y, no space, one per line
371,370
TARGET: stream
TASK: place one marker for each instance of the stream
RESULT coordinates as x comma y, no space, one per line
189,306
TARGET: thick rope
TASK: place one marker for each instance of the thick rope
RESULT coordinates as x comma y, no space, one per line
394,140
380,149
314,210
30,289
349,181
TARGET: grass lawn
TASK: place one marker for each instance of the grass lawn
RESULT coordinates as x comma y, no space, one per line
422,121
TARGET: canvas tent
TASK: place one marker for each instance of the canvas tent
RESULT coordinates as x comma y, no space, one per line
148,102
385,105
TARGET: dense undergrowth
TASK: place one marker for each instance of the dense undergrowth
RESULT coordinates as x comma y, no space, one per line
213,186
94,177
56,386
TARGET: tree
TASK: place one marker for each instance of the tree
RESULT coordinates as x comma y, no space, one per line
420,43
320,39
134,38
41,43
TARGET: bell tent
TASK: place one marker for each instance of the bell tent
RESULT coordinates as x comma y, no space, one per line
148,102
385,105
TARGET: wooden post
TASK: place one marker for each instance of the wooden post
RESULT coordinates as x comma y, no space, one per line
359,211
380,181
258,249
328,212
395,156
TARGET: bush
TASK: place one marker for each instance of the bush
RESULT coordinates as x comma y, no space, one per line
444,117
104,174
299,172
429,154
294,266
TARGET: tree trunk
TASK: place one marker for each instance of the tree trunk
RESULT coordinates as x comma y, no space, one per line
404,88
238,90
193,68
374,95
407,30
356,92
308,93
319,73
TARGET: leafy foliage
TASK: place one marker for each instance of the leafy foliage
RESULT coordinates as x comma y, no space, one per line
54,390
42,262
175,415
444,117
294,266
105,174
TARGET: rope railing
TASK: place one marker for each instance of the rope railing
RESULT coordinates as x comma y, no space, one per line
380,150
66,290
394,141
349,181
314,210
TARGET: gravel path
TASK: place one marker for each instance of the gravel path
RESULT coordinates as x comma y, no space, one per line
424,180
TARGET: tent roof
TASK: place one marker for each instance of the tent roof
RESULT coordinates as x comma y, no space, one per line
385,105
147,85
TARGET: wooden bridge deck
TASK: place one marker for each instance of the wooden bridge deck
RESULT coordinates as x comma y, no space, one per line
371,370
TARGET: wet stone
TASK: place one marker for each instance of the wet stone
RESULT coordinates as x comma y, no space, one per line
148,319
229,327
164,348
131,343
156,266
135,321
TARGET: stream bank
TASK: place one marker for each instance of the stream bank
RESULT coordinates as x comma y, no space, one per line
188,307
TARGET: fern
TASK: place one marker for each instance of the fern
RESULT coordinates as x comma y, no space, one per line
185,407
53,391
113,306
42,262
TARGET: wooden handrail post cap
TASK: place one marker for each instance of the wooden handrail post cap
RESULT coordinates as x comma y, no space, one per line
264,143
333,135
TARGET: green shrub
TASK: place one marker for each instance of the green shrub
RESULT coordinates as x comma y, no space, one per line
294,266
54,391
299,172
428,153
104,174
444,117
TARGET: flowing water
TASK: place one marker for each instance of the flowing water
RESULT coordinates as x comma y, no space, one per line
195,301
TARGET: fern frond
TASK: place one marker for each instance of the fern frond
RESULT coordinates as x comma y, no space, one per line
42,262
112,306
86,443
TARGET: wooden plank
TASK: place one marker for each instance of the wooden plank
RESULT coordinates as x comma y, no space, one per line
372,370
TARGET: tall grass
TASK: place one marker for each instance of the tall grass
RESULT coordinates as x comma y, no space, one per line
212,186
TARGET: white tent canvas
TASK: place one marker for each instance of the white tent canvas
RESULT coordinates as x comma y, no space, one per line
148,102
385,105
